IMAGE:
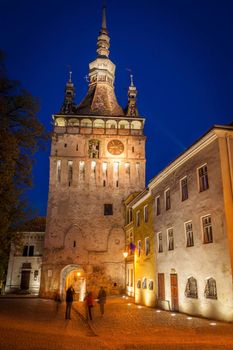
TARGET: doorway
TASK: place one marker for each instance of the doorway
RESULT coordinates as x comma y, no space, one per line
161,287
25,279
174,292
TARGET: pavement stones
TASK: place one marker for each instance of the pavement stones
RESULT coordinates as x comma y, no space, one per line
38,324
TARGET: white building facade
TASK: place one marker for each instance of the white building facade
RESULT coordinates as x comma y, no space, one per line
193,228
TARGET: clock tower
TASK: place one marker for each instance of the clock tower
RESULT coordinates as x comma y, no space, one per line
97,160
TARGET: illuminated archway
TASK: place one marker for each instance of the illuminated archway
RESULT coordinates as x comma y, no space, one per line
73,275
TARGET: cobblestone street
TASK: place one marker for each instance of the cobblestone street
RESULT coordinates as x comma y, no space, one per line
37,324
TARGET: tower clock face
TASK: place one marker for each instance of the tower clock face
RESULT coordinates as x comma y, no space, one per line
115,147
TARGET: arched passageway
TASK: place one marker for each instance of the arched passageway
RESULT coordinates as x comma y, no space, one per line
73,275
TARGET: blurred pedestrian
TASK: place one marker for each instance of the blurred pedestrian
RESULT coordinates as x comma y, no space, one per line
89,305
69,301
57,300
101,299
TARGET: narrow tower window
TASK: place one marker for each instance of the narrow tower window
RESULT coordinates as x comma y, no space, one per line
138,170
81,170
93,169
58,170
70,172
127,169
184,188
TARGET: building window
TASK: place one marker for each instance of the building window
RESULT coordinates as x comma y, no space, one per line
81,169
151,285
139,284
25,250
147,245
210,289
146,213
132,149
58,170
207,229
191,288
70,172
138,218
184,188
167,199
189,234
144,283
74,244
158,207
31,250
170,238
116,168
160,242
139,248
93,148
127,169
28,250
105,169
36,273
93,169
108,209
203,178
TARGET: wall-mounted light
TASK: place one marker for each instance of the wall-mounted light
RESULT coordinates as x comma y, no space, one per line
125,254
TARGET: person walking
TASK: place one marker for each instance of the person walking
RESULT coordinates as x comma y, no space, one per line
89,305
69,301
101,299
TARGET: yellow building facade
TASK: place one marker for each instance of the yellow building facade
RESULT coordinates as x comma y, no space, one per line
142,248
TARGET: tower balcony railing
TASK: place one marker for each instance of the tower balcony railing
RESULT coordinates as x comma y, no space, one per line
87,130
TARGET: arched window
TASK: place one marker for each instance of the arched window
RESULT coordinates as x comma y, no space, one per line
123,124
111,124
60,122
191,288
211,289
98,123
74,122
136,125
86,123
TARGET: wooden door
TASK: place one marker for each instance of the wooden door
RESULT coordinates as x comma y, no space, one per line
174,292
161,286
25,279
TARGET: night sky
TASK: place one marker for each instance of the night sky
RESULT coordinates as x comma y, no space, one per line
180,53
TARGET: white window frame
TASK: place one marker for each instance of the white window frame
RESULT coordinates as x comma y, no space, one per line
158,199
181,188
198,178
145,212
147,246
203,232
165,198
159,234
173,241
185,232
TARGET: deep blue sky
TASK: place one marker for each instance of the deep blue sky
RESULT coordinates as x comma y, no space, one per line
180,52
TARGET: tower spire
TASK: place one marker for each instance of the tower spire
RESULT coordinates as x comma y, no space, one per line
131,109
103,38
68,104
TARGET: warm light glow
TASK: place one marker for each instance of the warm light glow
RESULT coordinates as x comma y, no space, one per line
213,323
139,306
173,314
158,311
189,318
78,273
125,254
123,296
129,304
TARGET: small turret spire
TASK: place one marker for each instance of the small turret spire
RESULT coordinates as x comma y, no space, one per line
68,104
131,109
103,38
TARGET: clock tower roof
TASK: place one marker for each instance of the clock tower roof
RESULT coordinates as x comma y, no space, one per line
100,98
